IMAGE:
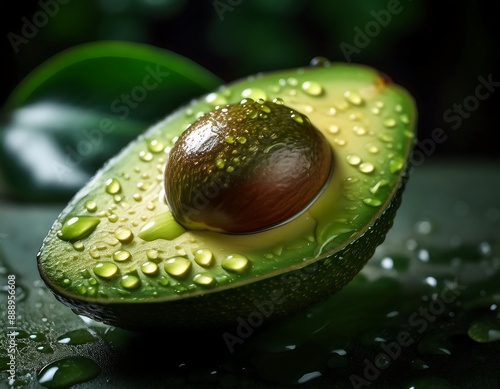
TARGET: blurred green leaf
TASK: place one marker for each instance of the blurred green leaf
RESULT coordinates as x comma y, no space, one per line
73,112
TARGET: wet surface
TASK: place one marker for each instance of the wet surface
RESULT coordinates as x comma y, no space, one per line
424,313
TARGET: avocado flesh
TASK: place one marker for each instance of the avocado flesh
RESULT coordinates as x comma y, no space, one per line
370,126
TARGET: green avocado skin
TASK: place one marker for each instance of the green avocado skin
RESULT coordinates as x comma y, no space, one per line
266,300
282,291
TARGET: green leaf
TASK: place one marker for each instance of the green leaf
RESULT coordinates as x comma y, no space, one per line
73,112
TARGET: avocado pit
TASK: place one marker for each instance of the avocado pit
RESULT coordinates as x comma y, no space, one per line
246,167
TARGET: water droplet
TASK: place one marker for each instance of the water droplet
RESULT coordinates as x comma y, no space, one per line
91,205
106,269
156,146
149,268
484,248
78,227
124,235
78,245
219,163
484,330
66,372
204,279
177,266
161,226
375,188
292,81
312,88
254,94
340,142
372,202
375,110
404,119
278,101
333,129
121,256
137,197
332,111
353,159
319,62
358,130
113,186
80,336
241,139
235,263
395,165
297,117
215,99
366,167
431,281
203,257
353,97
130,281
113,218
44,349
389,122
372,149
145,156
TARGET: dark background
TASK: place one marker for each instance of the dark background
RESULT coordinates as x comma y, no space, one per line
436,49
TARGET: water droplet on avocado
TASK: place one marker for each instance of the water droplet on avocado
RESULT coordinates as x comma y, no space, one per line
161,226
124,235
366,167
390,122
113,186
68,371
215,99
149,268
353,159
320,62
235,263
156,146
121,255
204,279
145,156
372,202
254,94
177,266
353,97
78,227
203,257
106,269
79,336
312,88
292,81
333,129
396,165
91,206
130,281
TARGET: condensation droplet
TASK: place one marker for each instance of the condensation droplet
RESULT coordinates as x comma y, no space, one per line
113,186
353,159
312,88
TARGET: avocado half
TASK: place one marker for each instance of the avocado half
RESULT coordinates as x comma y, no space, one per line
116,253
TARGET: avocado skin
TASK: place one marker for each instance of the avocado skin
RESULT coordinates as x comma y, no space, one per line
288,291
